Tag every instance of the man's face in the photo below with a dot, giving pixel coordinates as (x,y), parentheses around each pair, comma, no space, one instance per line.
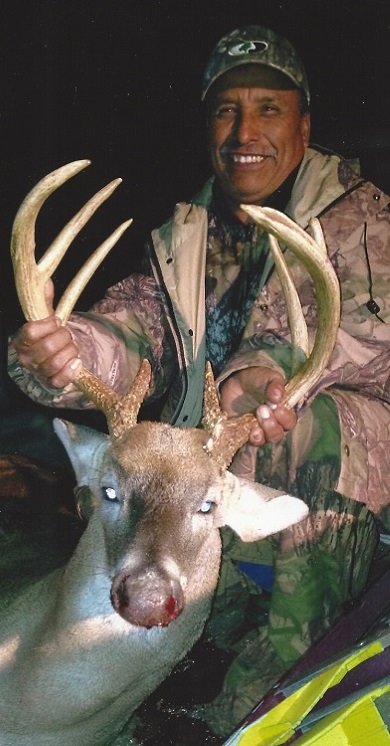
(257,136)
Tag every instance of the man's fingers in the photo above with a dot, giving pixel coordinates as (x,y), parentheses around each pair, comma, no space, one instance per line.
(275,391)
(66,375)
(60,369)
(47,349)
(244,391)
(273,423)
(34,346)
(54,359)
(257,436)
(34,331)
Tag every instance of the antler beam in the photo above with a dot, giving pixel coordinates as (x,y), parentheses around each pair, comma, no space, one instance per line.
(228,435)
(31,278)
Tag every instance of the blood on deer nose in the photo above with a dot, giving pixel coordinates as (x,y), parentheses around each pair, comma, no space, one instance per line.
(148,599)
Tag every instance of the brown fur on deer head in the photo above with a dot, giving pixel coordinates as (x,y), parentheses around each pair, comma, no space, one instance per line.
(158,497)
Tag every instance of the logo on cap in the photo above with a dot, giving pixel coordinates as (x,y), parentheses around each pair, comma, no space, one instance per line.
(248,47)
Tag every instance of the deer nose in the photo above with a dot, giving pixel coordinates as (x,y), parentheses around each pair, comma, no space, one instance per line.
(147,599)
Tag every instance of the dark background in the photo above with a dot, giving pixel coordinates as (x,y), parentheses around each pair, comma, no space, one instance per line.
(117,81)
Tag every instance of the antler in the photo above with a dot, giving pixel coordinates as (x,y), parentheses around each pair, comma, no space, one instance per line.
(31,278)
(228,435)
(312,252)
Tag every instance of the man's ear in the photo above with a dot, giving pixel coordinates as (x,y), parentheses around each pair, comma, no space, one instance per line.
(305,128)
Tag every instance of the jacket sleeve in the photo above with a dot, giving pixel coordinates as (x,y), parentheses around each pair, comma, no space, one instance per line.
(113,337)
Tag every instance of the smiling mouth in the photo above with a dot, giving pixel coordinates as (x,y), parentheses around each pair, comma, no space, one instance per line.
(247,158)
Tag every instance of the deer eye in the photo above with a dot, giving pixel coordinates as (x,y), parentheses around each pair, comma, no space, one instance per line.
(110,495)
(206,506)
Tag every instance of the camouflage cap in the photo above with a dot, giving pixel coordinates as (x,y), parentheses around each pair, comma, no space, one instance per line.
(255,44)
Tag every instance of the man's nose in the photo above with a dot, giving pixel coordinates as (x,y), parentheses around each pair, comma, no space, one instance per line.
(247,127)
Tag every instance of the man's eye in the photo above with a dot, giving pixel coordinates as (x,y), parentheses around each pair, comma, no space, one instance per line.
(224,111)
(206,506)
(109,494)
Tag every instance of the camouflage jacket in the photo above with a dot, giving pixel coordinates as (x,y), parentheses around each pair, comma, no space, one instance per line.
(162,316)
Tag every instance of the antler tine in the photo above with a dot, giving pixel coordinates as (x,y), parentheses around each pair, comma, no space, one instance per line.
(297,323)
(77,285)
(227,435)
(314,256)
(120,411)
(31,277)
(212,412)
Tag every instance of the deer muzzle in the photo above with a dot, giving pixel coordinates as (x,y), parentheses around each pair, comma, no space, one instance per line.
(151,598)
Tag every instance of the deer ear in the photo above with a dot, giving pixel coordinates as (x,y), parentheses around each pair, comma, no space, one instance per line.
(255,511)
(83,445)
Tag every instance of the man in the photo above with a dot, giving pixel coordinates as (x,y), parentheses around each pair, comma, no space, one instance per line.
(211,293)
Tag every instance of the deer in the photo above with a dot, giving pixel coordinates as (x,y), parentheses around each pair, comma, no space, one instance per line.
(84,646)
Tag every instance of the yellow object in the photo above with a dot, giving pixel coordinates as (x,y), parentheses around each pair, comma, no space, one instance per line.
(356,724)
